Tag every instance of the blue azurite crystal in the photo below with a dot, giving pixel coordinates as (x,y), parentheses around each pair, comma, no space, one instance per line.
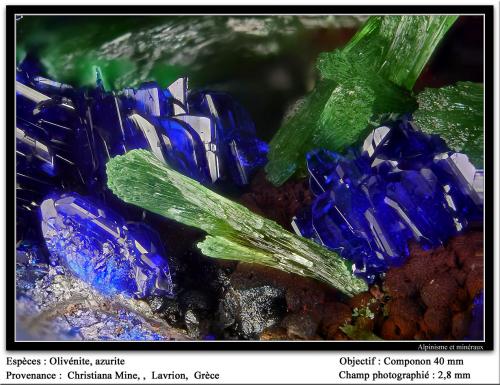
(184,152)
(98,246)
(403,184)
(234,133)
(476,327)
(47,122)
(44,130)
(149,99)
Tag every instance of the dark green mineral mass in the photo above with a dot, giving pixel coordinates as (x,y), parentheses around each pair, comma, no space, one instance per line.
(456,114)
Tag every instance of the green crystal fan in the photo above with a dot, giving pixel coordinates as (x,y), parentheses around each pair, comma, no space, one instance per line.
(234,232)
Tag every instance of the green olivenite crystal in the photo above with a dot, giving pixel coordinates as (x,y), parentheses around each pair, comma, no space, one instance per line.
(456,114)
(234,232)
(398,47)
(349,105)
(305,117)
(372,76)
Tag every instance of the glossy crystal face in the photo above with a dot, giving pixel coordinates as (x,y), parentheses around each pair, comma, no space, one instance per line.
(402,184)
(100,248)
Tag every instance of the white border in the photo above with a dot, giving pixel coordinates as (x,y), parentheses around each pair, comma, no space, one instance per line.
(273,367)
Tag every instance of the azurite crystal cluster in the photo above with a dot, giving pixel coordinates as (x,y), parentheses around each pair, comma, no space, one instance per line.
(403,184)
(100,248)
(65,136)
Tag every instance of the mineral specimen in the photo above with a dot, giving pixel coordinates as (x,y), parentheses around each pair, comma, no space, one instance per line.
(139,178)
(98,246)
(414,310)
(402,185)
(369,77)
(65,136)
(249,310)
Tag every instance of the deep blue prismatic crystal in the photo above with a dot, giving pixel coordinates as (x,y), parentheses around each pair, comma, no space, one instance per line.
(402,184)
(99,247)
(206,136)
(476,327)
(234,134)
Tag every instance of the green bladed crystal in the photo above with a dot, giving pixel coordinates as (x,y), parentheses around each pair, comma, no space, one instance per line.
(235,232)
